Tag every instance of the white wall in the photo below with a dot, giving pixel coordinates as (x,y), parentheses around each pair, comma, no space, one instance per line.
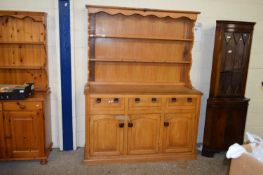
(51,8)
(211,10)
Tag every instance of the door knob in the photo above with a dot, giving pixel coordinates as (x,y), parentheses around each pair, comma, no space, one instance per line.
(121,125)
(130,125)
(166,124)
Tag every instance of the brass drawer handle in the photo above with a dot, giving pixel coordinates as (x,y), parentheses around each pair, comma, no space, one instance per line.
(189,100)
(154,100)
(166,124)
(173,100)
(130,125)
(137,100)
(116,100)
(98,100)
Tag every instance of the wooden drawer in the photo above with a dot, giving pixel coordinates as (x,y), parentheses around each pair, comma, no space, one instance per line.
(107,104)
(1,107)
(144,102)
(178,102)
(22,105)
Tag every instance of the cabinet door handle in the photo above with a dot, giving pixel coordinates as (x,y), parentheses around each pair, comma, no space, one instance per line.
(121,125)
(98,100)
(137,100)
(189,100)
(173,100)
(130,125)
(166,124)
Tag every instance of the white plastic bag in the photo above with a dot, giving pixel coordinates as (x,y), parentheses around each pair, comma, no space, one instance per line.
(256,145)
(235,151)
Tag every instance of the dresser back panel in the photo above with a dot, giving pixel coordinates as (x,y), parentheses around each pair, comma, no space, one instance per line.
(153,27)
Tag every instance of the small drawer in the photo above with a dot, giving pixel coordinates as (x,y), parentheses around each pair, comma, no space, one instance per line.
(181,102)
(107,103)
(21,105)
(144,102)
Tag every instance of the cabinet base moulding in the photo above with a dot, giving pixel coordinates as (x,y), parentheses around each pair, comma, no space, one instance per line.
(140,158)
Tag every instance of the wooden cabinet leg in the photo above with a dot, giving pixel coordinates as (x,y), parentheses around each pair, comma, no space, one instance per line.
(43,161)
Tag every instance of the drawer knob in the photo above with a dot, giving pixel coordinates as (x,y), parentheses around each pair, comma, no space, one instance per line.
(189,100)
(166,124)
(121,125)
(98,100)
(116,100)
(137,100)
(154,100)
(130,124)
(21,106)
(173,100)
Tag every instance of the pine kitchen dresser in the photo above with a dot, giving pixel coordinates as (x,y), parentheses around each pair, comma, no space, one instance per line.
(140,103)
(25,125)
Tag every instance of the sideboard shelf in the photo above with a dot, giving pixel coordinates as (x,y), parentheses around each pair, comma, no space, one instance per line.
(139,61)
(23,42)
(23,67)
(139,37)
(101,88)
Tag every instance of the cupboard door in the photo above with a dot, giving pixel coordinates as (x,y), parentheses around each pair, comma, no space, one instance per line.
(143,133)
(24,134)
(2,144)
(106,134)
(234,64)
(178,130)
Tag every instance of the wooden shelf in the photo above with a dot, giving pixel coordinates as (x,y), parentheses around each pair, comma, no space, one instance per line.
(139,61)
(129,88)
(136,37)
(23,42)
(23,67)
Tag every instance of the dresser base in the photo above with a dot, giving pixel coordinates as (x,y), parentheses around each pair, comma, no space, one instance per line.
(139,158)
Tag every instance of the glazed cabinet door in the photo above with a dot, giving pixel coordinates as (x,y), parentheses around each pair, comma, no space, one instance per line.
(106,135)
(143,133)
(24,134)
(234,61)
(178,132)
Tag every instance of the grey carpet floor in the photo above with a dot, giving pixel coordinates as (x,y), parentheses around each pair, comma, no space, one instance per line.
(71,163)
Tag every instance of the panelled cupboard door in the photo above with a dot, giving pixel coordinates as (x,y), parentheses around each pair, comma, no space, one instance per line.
(143,133)
(24,134)
(2,144)
(106,134)
(178,130)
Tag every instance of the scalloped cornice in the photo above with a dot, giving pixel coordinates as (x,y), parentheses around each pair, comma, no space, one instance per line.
(35,16)
(191,15)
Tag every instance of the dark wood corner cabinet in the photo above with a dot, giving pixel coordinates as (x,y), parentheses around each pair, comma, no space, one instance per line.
(140,104)
(227,107)
(25,132)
